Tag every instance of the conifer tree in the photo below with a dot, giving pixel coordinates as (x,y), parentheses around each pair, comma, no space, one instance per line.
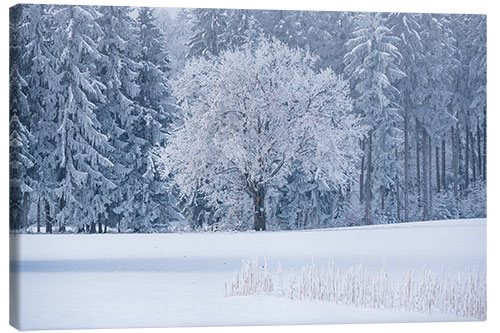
(372,65)
(82,192)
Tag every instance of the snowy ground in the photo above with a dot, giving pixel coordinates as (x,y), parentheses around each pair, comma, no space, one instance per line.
(131,280)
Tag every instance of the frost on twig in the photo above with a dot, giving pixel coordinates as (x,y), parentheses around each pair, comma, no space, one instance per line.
(253,278)
(461,293)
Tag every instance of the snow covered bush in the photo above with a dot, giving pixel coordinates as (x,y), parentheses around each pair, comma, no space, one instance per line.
(354,213)
(250,116)
(473,202)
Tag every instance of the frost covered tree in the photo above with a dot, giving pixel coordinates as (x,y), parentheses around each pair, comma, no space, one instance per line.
(471,94)
(322,33)
(217,30)
(118,71)
(434,95)
(209,25)
(250,115)
(136,114)
(372,66)
(308,204)
(20,138)
(406,27)
(176,32)
(158,114)
(20,157)
(41,62)
(82,191)
(477,84)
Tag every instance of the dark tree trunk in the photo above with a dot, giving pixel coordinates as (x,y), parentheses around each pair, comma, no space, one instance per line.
(455,138)
(430,175)
(259,209)
(48,219)
(484,149)
(438,174)
(417,139)
(443,164)
(425,174)
(368,184)
(25,210)
(472,157)
(99,227)
(406,167)
(92,228)
(362,175)
(467,152)
(382,199)
(479,160)
(398,198)
(38,216)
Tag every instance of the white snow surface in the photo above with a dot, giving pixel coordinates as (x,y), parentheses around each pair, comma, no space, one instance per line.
(169,280)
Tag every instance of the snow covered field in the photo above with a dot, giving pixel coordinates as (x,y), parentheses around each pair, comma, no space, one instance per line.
(155,280)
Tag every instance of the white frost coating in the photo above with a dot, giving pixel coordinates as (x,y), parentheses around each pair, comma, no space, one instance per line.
(252,116)
(462,293)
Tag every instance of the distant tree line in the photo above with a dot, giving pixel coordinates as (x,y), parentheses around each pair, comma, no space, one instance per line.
(92,111)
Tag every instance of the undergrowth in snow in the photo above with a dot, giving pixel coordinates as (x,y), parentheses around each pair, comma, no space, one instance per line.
(461,293)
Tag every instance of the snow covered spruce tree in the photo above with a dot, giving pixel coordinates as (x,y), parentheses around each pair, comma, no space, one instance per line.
(158,113)
(406,27)
(372,65)
(118,112)
(250,115)
(217,30)
(43,94)
(21,140)
(434,94)
(135,115)
(82,192)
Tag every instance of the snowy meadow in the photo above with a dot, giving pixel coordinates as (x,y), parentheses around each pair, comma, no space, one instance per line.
(325,167)
(164,280)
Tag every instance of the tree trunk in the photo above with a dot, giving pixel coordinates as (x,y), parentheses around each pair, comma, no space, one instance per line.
(92,228)
(99,226)
(484,149)
(467,152)
(25,210)
(368,184)
(425,174)
(472,157)
(382,199)
(398,199)
(443,164)
(362,175)
(48,219)
(455,138)
(259,209)
(417,140)
(38,215)
(479,161)
(430,175)
(406,166)
(438,174)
